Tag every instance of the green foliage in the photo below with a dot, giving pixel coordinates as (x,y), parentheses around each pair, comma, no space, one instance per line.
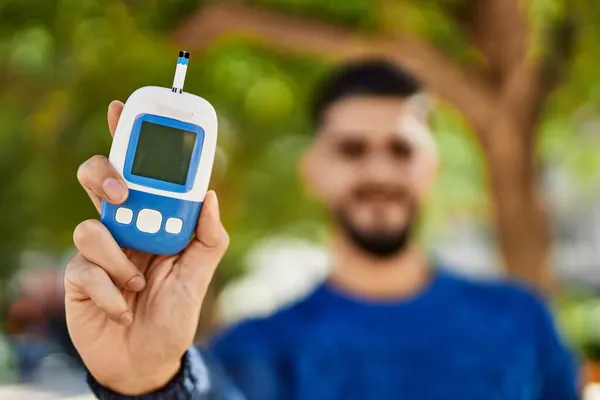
(460,190)
(430,20)
(578,316)
(7,361)
(63,61)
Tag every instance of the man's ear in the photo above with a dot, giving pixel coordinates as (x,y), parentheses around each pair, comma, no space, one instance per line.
(420,106)
(307,168)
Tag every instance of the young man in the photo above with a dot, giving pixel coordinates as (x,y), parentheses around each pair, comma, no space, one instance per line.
(387,323)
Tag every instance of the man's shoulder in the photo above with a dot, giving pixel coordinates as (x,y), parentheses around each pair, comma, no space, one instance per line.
(494,286)
(502,295)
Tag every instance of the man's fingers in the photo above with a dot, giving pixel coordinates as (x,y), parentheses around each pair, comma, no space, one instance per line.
(101,181)
(210,232)
(98,178)
(96,244)
(85,280)
(201,257)
(115,108)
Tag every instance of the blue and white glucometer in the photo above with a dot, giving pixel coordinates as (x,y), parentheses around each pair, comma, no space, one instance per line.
(164,148)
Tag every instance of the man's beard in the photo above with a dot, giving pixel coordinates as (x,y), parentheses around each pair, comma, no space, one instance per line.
(377,244)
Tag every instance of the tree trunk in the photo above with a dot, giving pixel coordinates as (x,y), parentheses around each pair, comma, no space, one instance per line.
(520,217)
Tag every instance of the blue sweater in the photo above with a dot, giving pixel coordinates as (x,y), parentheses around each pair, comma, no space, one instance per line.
(458,339)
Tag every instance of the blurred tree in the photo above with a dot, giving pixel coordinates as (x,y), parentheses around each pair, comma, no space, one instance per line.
(500,61)
(63,61)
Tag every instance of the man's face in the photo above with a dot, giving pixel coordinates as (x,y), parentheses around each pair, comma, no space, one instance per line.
(372,163)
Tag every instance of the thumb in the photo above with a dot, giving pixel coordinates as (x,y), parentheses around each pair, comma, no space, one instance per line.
(200,259)
(115,108)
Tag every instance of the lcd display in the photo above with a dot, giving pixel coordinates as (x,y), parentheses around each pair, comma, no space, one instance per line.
(163,153)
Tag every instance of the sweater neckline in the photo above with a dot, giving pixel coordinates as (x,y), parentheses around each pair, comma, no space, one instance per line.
(435,292)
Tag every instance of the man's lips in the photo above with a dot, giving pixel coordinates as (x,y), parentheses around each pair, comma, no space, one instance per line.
(379,198)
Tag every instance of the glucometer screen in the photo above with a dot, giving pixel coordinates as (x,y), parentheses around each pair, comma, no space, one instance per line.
(163,153)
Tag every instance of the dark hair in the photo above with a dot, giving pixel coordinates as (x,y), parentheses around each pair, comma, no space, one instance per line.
(374,77)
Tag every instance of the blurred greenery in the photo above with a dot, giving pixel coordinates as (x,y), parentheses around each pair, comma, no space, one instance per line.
(63,61)
(579,319)
(7,361)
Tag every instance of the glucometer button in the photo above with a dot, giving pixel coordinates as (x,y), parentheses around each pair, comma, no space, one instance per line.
(124,215)
(174,225)
(148,221)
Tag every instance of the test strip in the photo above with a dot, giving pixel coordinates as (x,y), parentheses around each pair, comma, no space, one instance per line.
(180,71)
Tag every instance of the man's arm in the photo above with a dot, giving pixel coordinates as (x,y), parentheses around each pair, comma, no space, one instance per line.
(559,374)
(199,378)
(558,366)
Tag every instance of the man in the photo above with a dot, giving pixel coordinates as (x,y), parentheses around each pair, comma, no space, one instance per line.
(387,323)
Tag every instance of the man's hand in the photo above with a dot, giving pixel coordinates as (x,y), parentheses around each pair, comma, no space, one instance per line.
(132,315)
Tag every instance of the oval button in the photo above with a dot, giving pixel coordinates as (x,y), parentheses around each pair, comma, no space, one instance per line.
(148,221)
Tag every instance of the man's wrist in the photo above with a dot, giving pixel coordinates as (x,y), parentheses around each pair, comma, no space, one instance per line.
(139,384)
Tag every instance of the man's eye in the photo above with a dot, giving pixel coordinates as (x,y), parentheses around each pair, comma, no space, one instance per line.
(400,149)
(352,149)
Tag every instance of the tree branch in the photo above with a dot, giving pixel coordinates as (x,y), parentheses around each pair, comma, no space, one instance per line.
(531,85)
(559,47)
(305,36)
(498,29)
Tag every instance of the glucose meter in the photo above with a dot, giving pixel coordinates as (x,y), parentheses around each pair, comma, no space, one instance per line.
(164,148)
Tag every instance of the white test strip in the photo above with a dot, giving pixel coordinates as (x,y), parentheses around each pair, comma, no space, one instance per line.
(180,71)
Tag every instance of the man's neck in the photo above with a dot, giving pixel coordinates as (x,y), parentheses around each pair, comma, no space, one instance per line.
(399,276)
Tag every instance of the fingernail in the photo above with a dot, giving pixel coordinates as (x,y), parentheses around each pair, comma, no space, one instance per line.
(136,284)
(126,318)
(114,190)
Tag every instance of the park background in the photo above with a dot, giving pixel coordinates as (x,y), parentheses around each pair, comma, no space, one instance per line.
(515,89)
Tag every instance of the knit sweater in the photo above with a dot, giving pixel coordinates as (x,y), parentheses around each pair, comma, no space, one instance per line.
(457,339)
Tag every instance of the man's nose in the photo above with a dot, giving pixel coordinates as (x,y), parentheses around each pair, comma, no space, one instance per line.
(379,168)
